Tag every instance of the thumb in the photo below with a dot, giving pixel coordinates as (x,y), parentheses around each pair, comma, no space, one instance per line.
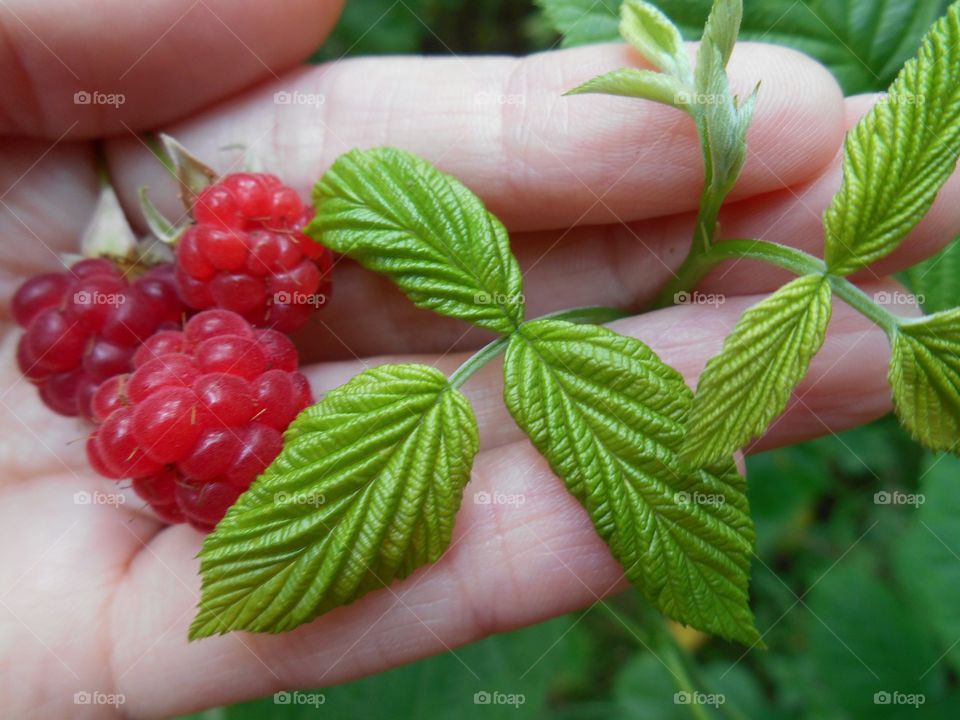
(88,70)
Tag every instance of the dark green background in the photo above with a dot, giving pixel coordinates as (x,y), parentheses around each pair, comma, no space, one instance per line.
(854,597)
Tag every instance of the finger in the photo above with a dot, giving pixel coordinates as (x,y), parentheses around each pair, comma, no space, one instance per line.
(141,64)
(508,565)
(539,160)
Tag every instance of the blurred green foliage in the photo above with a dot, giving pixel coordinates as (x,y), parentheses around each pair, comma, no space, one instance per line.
(858,540)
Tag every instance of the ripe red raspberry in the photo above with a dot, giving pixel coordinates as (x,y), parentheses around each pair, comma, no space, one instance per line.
(83,326)
(247,253)
(200,417)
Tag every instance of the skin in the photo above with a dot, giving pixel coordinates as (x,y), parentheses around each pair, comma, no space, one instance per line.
(598,194)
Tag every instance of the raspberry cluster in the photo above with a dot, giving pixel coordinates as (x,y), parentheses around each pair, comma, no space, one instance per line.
(247,253)
(83,326)
(200,417)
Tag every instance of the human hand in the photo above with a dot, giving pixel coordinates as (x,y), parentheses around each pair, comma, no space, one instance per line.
(598,195)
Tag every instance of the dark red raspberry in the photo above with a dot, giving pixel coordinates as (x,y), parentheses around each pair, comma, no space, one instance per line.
(200,417)
(247,253)
(84,325)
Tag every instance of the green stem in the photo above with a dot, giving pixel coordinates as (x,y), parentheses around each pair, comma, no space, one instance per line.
(697,265)
(478,360)
(594,314)
(666,650)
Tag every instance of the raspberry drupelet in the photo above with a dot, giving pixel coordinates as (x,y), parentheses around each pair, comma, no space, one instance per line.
(200,417)
(247,253)
(84,325)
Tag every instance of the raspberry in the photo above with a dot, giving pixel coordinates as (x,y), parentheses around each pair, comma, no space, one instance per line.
(83,326)
(247,253)
(200,417)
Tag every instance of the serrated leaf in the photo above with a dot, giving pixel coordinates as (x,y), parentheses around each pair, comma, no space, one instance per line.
(364,492)
(609,415)
(899,156)
(630,82)
(396,214)
(936,281)
(862,42)
(748,384)
(925,377)
(655,37)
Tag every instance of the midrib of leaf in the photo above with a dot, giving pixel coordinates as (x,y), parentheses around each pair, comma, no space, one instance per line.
(631,506)
(414,215)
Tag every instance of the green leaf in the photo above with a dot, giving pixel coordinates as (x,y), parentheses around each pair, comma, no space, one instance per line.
(363,493)
(925,377)
(749,383)
(899,156)
(583,21)
(936,281)
(655,37)
(609,416)
(398,215)
(630,82)
(864,43)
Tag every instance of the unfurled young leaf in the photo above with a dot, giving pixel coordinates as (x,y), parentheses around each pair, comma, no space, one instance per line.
(925,377)
(899,156)
(655,37)
(749,383)
(630,82)
(398,215)
(364,492)
(609,417)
